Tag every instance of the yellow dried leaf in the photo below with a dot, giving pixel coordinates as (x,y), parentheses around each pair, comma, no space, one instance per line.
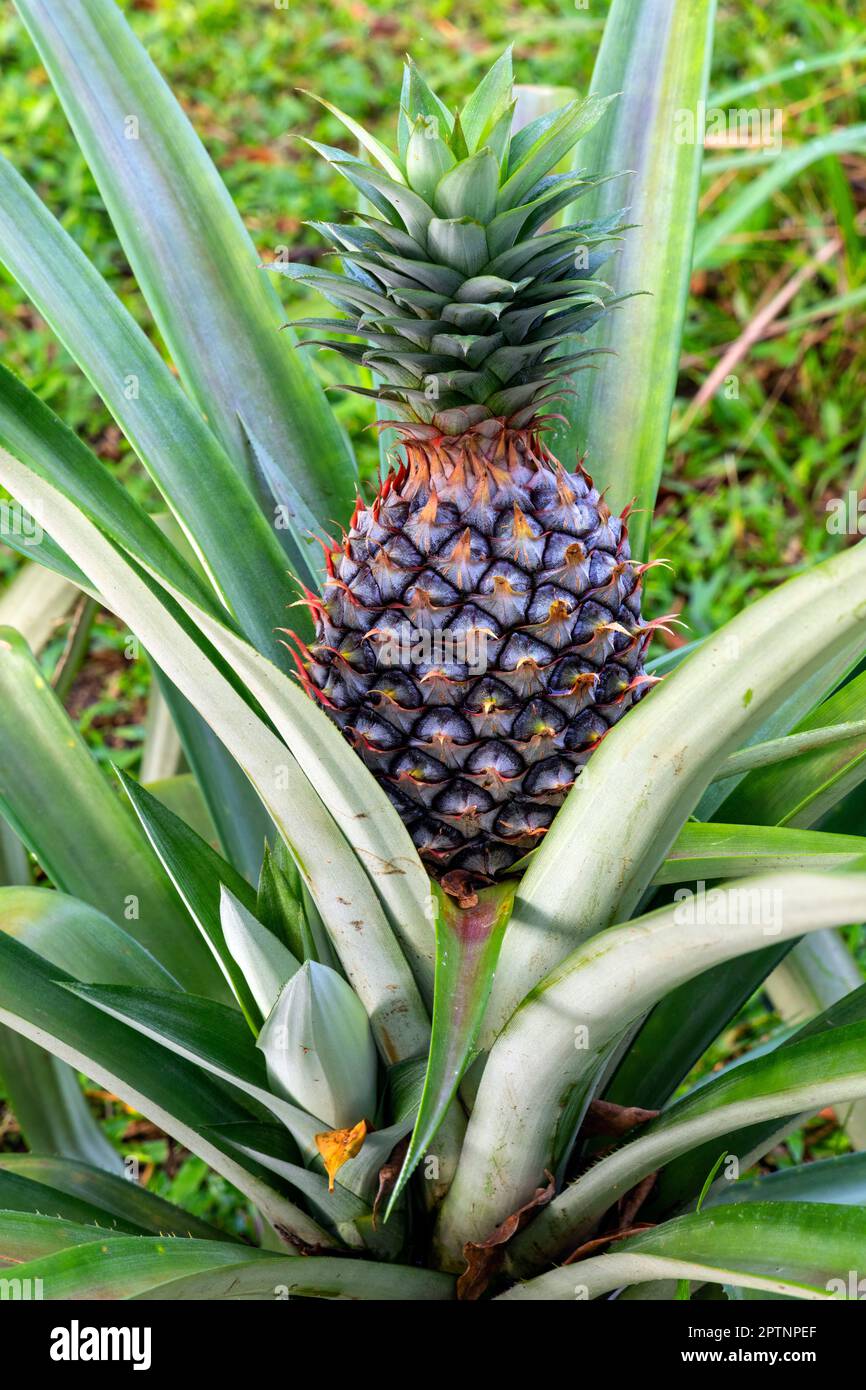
(337,1146)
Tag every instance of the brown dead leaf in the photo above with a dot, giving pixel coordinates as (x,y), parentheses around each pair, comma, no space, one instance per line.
(632,1202)
(605,1118)
(389,1173)
(590,1246)
(337,1146)
(460,884)
(484,1258)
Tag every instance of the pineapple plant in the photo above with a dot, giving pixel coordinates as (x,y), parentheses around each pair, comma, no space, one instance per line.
(479,540)
(405,936)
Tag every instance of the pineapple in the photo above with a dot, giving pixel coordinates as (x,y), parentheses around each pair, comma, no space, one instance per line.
(480,627)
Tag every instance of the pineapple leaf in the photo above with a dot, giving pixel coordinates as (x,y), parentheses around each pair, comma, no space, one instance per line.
(199,876)
(459,242)
(234,541)
(811,1245)
(73,936)
(683,1177)
(799,792)
(469,189)
(139,1265)
(272,1147)
(19,1193)
(428,158)
(355,799)
(293,521)
(331,871)
(46,1182)
(176,1094)
(528,136)
(319,1050)
(497,136)
(457,140)
(838,1181)
(241,821)
(417,99)
(801,1078)
(705,851)
(369,142)
(47,554)
(660,68)
(280,910)
(441,279)
(100,854)
(215,309)
(145,1268)
(264,962)
(215,1038)
(468,941)
(523,1122)
(559,136)
(412,211)
(393,237)
(507,227)
(337,289)
(653,1070)
(489,102)
(791,746)
(482,289)
(180,791)
(31,430)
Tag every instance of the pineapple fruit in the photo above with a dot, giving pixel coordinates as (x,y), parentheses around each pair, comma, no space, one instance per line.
(480,626)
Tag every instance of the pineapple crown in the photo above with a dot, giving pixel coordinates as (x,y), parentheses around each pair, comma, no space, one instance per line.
(468,302)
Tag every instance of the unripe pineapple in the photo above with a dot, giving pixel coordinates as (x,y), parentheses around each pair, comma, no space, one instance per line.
(480,628)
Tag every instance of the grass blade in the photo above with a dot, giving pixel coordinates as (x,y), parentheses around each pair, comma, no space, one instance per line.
(782,167)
